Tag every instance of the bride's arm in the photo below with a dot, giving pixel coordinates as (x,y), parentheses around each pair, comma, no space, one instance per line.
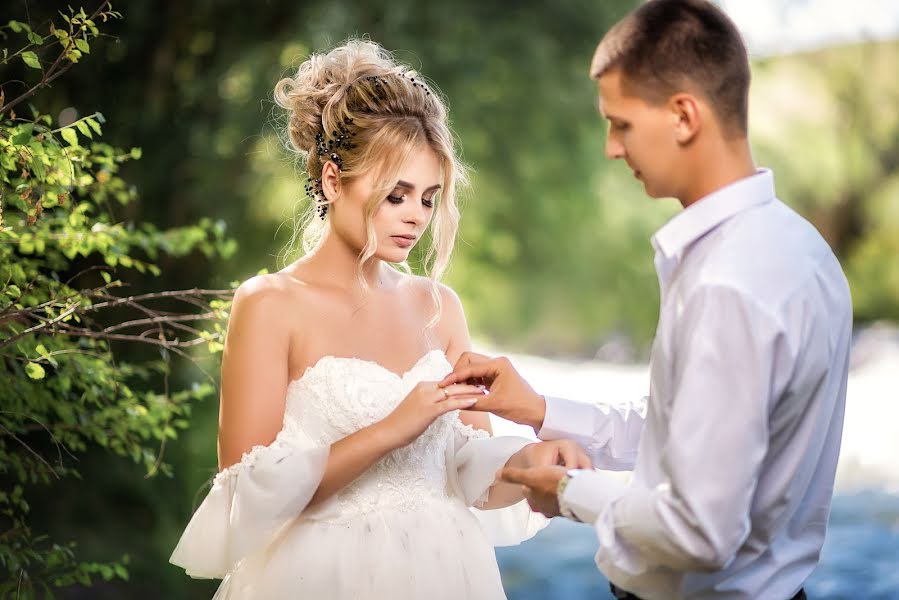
(453,319)
(455,329)
(254,370)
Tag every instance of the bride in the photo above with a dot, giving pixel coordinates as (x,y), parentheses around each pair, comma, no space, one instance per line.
(345,471)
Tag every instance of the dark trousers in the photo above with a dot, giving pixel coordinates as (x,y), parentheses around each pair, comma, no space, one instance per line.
(622,595)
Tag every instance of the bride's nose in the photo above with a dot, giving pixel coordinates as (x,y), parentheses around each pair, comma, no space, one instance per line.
(416,214)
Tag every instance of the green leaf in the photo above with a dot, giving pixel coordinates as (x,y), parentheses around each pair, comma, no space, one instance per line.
(31,59)
(84,129)
(35,38)
(35,371)
(69,135)
(136,153)
(26,246)
(16,26)
(24,136)
(83,46)
(94,125)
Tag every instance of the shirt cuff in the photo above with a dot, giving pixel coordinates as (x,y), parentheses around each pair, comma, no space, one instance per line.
(589,493)
(566,419)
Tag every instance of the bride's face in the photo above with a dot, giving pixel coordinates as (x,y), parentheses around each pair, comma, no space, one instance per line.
(399,219)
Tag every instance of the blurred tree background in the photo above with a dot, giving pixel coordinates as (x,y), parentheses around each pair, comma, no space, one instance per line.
(553,256)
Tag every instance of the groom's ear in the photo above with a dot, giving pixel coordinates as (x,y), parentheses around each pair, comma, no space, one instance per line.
(686,116)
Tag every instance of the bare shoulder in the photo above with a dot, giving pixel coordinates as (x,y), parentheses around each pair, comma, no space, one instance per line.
(271,298)
(451,327)
(425,288)
(269,289)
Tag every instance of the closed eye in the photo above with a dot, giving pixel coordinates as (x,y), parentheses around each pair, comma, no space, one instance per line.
(428,202)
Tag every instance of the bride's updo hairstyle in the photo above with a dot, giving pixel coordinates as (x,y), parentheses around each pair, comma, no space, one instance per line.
(358,107)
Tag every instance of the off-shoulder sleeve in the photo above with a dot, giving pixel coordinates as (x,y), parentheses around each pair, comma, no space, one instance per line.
(475,459)
(249,502)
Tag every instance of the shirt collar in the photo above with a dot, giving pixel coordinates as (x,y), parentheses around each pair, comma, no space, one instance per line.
(710,211)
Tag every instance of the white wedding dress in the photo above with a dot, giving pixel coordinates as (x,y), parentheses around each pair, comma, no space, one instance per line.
(403,530)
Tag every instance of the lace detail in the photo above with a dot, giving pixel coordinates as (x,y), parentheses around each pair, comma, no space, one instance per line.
(468,430)
(338,396)
(249,458)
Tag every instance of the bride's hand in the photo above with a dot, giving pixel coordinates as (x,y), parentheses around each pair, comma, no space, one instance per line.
(424,404)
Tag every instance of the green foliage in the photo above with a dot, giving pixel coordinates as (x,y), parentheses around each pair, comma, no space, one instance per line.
(64,255)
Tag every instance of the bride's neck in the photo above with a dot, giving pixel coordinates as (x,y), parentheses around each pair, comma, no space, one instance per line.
(338,264)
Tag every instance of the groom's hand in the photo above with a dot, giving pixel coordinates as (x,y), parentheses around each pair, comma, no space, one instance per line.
(564,453)
(540,485)
(510,395)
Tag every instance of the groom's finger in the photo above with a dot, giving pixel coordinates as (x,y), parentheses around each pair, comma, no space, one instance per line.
(519,476)
(485,370)
(583,461)
(470,358)
(568,455)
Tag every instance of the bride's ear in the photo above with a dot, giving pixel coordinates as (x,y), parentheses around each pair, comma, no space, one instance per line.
(331,181)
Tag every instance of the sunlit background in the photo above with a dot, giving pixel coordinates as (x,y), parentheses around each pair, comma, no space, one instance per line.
(553,264)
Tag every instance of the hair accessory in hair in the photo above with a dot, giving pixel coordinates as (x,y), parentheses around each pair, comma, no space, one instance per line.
(315,193)
(418,84)
(379,86)
(340,140)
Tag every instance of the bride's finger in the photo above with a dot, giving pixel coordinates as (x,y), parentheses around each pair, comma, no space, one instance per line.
(455,403)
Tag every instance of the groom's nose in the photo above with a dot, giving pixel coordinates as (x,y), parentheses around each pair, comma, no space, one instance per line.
(614,148)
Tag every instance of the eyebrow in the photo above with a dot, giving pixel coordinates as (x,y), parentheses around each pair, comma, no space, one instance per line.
(410,186)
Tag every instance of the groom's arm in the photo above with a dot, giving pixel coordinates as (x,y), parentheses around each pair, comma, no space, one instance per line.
(608,434)
(711,456)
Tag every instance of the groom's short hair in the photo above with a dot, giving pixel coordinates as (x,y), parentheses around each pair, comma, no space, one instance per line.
(669,46)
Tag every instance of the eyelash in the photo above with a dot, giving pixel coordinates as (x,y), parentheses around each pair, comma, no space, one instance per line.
(399,200)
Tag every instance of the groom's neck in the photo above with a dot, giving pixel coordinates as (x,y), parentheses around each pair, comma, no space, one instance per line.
(715,164)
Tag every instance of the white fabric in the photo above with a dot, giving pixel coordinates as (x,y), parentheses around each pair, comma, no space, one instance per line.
(403,529)
(733,479)
(608,433)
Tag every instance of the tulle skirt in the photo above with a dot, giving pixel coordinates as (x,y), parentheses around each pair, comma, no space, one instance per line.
(438,552)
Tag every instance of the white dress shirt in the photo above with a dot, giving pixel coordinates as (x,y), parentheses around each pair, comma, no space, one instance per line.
(734,468)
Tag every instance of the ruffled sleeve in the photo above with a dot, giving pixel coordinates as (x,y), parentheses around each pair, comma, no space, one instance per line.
(476,457)
(249,503)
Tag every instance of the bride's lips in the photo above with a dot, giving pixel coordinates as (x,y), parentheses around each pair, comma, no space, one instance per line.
(404,241)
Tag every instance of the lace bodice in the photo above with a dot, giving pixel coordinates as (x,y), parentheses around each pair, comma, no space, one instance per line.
(338,396)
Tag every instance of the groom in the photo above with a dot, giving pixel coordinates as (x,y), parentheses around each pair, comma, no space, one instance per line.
(734,454)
